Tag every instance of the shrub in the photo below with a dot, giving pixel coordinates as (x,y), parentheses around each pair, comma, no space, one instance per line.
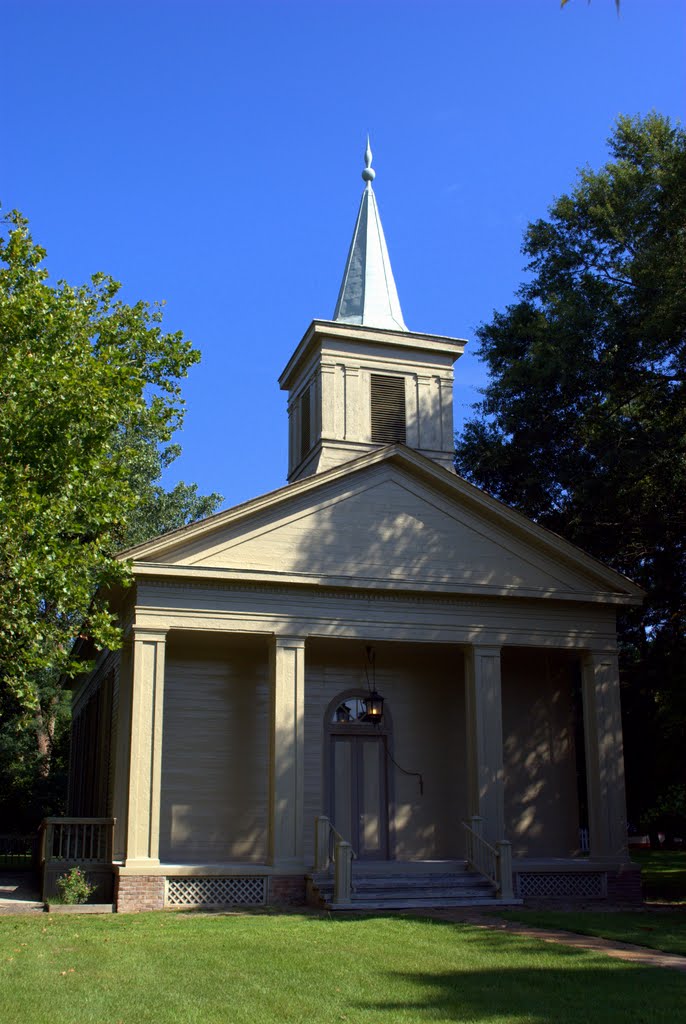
(74,887)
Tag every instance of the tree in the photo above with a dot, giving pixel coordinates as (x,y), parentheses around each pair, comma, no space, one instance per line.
(89,399)
(582,424)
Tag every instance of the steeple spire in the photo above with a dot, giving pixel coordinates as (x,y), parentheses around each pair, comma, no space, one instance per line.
(368,295)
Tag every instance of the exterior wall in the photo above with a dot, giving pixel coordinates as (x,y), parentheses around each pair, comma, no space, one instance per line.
(424,691)
(541,801)
(215,755)
(92,748)
(381,525)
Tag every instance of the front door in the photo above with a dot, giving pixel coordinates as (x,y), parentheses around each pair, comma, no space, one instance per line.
(359,797)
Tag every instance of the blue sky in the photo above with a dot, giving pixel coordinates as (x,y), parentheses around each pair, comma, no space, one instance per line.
(209,154)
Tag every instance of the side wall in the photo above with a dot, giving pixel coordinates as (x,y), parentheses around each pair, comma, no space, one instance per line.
(541,801)
(93,730)
(215,755)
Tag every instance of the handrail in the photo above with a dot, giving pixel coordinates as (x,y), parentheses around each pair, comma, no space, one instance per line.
(495,862)
(330,848)
(82,840)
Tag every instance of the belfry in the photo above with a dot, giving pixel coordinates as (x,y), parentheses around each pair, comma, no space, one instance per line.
(363,380)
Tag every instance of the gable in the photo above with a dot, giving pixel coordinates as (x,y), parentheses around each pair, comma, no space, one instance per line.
(386,526)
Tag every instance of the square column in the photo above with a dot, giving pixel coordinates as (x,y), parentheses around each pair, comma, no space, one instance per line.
(604,755)
(484,723)
(144,763)
(287,735)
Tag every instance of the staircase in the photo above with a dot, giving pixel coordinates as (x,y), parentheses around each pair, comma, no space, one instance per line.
(393,885)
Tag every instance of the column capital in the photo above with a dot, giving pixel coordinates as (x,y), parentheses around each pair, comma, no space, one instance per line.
(151,633)
(487,650)
(598,654)
(289,642)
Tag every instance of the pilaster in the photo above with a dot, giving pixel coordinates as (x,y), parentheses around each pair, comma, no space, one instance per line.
(287,671)
(145,748)
(485,739)
(604,755)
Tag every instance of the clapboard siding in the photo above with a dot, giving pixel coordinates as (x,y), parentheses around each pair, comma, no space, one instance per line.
(424,690)
(541,805)
(215,756)
(383,524)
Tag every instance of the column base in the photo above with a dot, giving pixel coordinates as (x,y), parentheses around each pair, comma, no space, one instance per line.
(136,893)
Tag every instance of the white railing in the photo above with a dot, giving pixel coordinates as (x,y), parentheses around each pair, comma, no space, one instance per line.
(495,862)
(331,849)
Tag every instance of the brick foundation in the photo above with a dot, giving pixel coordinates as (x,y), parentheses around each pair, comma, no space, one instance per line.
(287,890)
(134,893)
(624,885)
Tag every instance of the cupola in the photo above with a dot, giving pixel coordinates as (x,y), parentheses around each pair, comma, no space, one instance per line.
(363,380)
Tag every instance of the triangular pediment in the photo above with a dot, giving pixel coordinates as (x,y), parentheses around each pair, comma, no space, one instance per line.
(388,521)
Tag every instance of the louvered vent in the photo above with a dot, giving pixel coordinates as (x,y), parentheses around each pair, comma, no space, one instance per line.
(305,423)
(388,409)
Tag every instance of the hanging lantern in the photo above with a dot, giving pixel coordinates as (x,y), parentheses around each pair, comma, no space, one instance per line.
(373,707)
(342,713)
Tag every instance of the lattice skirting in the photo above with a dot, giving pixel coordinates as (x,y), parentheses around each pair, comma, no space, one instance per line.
(579,885)
(212,891)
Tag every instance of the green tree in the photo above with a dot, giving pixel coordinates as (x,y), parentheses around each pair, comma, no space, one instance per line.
(582,424)
(89,399)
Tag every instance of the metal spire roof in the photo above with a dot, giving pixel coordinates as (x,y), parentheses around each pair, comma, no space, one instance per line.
(368,294)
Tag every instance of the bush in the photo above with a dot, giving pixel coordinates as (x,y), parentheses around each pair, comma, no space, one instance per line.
(74,887)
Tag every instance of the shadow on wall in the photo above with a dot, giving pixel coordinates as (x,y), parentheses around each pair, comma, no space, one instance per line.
(541,804)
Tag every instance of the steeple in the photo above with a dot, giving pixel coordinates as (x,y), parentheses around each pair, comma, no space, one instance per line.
(363,380)
(368,295)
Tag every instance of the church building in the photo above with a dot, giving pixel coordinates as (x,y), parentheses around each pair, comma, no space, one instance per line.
(374,680)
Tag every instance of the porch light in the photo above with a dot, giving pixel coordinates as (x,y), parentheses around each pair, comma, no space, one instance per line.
(373,707)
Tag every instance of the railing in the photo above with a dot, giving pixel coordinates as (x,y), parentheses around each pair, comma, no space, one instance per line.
(330,848)
(79,840)
(495,862)
(18,852)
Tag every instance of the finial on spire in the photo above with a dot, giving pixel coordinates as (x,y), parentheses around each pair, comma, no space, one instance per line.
(368,174)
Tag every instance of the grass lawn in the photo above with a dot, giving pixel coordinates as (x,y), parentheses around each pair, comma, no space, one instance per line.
(193,969)
(664,881)
(662,929)
(663,873)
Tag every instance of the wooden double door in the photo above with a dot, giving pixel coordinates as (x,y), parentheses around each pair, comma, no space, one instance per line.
(359,792)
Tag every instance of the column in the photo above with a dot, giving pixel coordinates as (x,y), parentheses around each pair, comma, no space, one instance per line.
(146,682)
(604,755)
(485,739)
(287,671)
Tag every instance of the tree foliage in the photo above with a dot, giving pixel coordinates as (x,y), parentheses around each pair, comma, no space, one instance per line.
(89,399)
(582,425)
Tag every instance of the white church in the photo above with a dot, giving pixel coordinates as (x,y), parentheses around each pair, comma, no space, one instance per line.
(374,687)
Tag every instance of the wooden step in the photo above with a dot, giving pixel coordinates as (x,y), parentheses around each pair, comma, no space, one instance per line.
(399,890)
(423,904)
(415,892)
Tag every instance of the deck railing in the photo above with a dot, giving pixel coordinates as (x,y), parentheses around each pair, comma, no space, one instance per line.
(495,862)
(331,849)
(77,840)
(18,852)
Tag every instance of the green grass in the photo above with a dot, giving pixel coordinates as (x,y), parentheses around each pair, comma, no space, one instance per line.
(663,873)
(265,969)
(664,930)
